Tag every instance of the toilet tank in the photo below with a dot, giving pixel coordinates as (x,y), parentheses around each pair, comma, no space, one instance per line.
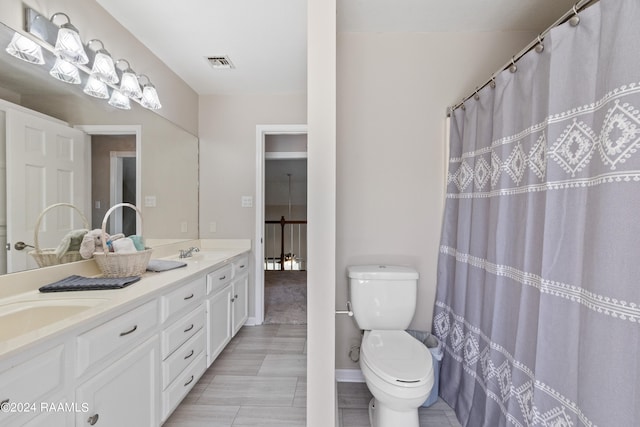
(382,297)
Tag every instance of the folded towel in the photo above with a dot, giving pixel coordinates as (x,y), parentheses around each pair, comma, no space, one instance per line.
(70,242)
(79,283)
(124,246)
(138,241)
(158,265)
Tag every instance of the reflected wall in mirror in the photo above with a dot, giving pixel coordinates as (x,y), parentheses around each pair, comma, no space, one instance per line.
(166,160)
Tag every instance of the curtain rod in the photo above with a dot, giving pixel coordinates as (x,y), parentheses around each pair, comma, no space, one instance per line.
(578,7)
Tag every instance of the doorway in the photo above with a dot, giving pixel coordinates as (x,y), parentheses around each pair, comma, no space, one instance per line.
(116,177)
(280,144)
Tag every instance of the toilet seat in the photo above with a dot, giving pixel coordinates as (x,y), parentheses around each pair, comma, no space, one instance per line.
(397,358)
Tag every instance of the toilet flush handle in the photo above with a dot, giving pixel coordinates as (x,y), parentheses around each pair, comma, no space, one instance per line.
(348,312)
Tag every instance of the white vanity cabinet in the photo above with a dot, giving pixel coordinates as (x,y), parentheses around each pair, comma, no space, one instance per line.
(119,360)
(240,288)
(227,304)
(183,341)
(24,384)
(125,393)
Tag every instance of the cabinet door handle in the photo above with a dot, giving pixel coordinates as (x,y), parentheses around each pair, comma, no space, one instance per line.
(242,266)
(189,328)
(189,382)
(129,332)
(236,296)
(188,356)
(93,419)
(223,277)
(233,299)
(189,297)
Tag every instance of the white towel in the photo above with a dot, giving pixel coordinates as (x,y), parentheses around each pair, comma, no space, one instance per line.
(124,246)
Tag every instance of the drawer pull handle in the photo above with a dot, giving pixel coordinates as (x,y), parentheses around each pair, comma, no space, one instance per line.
(189,328)
(233,299)
(223,277)
(93,419)
(189,297)
(242,266)
(236,296)
(188,356)
(189,382)
(122,334)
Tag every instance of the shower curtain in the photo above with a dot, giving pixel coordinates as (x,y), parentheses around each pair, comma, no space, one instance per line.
(538,297)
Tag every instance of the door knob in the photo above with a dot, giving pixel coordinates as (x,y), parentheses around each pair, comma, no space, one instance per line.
(19,246)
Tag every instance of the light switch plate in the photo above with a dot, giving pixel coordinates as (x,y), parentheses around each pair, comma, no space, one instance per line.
(247,201)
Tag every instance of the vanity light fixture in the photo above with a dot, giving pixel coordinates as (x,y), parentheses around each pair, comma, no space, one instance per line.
(96,88)
(150,98)
(26,49)
(65,71)
(103,67)
(119,100)
(95,62)
(129,84)
(68,44)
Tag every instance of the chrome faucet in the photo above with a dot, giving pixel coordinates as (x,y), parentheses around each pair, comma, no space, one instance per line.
(186,253)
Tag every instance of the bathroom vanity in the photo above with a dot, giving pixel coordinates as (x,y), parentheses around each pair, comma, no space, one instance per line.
(123,357)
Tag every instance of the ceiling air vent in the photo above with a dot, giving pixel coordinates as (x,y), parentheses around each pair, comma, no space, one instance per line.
(220,62)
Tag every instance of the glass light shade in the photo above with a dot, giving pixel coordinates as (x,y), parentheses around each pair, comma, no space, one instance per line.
(96,88)
(150,98)
(104,69)
(23,48)
(65,71)
(69,46)
(129,85)
(119,100)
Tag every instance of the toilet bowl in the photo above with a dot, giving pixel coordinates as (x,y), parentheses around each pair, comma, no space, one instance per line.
(397,367)
(399,373)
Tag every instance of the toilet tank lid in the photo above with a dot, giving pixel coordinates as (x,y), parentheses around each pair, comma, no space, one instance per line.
(381,272)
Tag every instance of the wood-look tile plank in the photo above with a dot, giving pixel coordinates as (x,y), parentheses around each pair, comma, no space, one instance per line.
(236,363)
(267,416)
(300,398)
(353,395)
(271,345)
(187,415)
(355,417)
(249,390)
(284,365)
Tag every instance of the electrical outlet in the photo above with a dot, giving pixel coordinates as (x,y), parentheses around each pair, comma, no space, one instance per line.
(183,226)
(247,201)
(212,227)
(150,201)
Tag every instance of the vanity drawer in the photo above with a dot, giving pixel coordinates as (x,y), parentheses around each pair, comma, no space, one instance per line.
(183,329)
(182,358)
(174,394)
(31,382)
(187,294)
(217,279)
(240,266)
(123,332)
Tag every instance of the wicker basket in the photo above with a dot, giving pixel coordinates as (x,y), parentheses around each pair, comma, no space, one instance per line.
(114,264)
(47,257)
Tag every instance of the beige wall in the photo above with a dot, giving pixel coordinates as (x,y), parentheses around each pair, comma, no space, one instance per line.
(228,160)
(393,90)
(179,101)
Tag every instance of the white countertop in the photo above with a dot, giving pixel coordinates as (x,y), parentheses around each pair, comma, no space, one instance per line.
(108,303)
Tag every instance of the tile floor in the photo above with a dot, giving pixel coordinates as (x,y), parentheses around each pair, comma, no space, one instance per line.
(260,380)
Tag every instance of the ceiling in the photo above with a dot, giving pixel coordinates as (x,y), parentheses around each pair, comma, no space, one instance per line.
(266,39)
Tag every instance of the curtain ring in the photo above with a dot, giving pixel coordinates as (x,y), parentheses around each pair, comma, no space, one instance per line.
(513,67)
(492,83)
(575,19)
(476,96)
(540,45)
(462,105)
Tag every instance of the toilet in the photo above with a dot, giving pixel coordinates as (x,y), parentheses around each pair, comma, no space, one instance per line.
(397,367)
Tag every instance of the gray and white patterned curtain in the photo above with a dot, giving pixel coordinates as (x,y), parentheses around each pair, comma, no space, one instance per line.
(538,298)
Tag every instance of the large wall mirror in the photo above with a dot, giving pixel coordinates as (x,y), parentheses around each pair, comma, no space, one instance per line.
(118,145)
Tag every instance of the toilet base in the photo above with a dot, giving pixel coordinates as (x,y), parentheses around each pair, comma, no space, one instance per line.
(381,416)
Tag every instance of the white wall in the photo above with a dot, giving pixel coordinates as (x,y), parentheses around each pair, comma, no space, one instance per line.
(393,90)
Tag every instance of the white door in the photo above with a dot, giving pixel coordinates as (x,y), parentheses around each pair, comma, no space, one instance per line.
(45,165)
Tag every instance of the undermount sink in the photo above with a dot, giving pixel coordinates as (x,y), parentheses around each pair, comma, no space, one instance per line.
(22,317)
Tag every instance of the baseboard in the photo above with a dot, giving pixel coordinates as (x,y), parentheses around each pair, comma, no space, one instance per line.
(251,321)
(349,376)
